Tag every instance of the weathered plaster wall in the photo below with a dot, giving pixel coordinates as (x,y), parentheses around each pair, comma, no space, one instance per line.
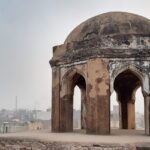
(67,74)
(99,85)
(98,97)
(116,46)
(99,50)
(140,67)
(55,99)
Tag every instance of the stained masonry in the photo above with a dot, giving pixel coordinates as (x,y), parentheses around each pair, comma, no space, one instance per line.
(105,53)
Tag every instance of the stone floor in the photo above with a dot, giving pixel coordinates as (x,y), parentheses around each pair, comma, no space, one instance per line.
(117,136)
(78,140)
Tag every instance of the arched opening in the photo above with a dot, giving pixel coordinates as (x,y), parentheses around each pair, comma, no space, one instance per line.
(114,111)
(72,83)
(139,110)
(78,85)
(126,85)
(77,108)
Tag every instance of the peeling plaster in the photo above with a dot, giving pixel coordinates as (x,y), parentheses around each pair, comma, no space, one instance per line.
(140,68)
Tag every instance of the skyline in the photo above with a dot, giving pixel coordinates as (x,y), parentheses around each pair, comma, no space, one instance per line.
(28,31)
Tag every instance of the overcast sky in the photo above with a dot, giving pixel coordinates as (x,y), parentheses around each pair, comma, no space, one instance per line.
(28,31)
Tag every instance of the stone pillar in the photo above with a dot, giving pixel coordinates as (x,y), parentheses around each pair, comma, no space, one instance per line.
(83,109)
(147,114)
(66,114)
(127,115)
(131,114)
(124,115)
(98,98)
(66,105)
(126,110)
(120,116)
(98,115)
(55,99)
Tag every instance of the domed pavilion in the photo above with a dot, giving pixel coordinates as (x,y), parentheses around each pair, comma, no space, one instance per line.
(108,52)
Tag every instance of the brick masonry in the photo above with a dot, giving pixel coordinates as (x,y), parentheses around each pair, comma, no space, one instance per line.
(32,144)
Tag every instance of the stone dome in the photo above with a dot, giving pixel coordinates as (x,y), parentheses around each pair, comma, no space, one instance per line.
(110,24)
(109,35)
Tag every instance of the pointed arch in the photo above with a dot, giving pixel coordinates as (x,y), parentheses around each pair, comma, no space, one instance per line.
(70,79)
(67,80)
(136,70)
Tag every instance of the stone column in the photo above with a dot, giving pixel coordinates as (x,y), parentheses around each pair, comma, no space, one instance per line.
(123,110)
(120,115)
(98,115)
(147,114)
(66,114)
(66,106)
(55,99)
(124,114)
(126,110)
(98,98)
(83,109)
(127,115)
(131,114)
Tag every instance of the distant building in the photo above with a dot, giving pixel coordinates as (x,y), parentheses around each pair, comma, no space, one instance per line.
(43,115)
(24,120)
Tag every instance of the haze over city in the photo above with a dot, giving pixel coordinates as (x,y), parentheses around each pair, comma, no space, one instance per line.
(28,31)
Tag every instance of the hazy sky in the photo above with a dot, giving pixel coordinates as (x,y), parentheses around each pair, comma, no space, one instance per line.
(28,31)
